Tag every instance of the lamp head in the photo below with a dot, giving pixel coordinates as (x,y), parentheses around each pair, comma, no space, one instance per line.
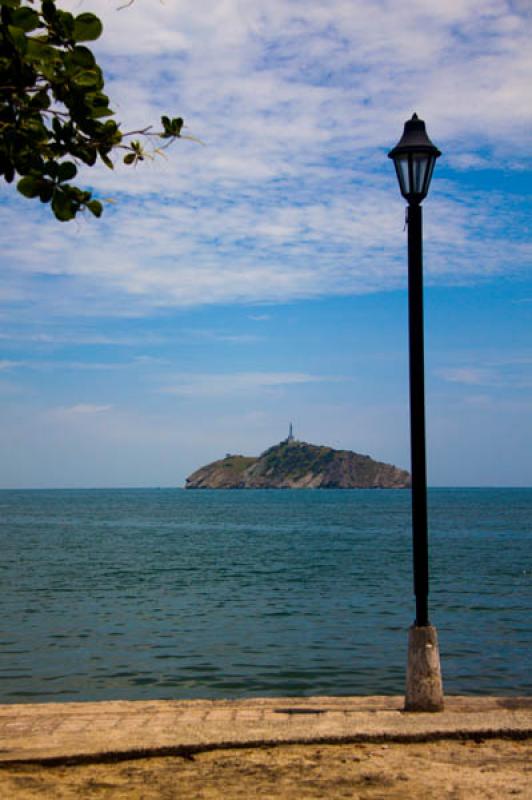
(414,157)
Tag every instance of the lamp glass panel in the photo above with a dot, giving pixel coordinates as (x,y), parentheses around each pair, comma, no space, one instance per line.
(401,166)
(420,168)
(430,170)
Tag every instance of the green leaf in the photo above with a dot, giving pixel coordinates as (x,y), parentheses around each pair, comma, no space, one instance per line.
(103,111)
(111,132)
(64,24)
(18,38)
(46,191)
(85,154)
(49,10)
(97,103)
(106,160)
(51,169)
(26,18)
(130,158)
(95,207)
(57,127)
(34,128)
(82,57)
(62,206)
(29,186)
(43,57)
(89,79)
(87,27)
(82,197)
(40,101)
(8,171)
(67,170)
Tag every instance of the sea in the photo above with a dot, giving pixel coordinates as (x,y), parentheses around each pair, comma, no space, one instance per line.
(167,593)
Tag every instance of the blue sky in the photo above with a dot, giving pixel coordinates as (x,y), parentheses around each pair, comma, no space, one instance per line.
(260,279)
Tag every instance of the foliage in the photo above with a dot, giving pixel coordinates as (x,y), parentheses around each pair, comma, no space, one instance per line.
(238,464)
(54,114)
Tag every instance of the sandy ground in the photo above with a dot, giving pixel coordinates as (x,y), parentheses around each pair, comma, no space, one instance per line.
(450,770)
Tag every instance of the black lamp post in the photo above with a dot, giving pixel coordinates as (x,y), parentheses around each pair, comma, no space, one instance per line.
(414,158)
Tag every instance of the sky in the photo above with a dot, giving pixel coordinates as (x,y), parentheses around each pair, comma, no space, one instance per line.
(259,277)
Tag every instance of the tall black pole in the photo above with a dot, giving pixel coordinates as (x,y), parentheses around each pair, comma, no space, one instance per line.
(414,158)
(417,414)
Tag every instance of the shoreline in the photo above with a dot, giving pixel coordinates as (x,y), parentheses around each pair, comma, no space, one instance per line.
(90,732)
(362,748)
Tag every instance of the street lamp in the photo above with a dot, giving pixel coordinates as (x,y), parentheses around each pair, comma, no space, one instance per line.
(414,158)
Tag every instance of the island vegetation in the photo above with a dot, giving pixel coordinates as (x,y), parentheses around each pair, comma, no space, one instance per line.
(294,464)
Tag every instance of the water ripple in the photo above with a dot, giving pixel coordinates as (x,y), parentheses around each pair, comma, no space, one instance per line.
(173,594)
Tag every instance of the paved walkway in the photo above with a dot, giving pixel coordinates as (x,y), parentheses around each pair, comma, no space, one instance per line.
(59,732)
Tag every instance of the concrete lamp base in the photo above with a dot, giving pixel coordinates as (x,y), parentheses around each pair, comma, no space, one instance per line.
(424,689)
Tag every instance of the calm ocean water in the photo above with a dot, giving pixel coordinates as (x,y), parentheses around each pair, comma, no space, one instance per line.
(172,594)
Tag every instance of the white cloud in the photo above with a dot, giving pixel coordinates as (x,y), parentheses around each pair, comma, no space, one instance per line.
(149,256)
(5,364)
(293,197)
(506,373)
(208,335)
(470,376)
(239,383)
(78,338)
(85,408)
(52,366)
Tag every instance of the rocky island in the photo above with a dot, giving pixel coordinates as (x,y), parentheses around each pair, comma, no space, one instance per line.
(298,465)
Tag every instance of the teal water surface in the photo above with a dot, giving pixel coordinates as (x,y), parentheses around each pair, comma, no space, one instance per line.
(181,594)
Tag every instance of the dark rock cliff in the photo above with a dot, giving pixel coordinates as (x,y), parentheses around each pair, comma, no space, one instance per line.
(298,465)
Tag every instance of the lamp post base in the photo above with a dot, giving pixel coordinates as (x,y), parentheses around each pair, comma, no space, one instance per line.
(424,688)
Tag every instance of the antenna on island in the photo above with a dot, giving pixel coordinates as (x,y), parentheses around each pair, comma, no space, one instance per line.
(290,434)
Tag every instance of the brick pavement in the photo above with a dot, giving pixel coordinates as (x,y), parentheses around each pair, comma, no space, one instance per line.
(59,732)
